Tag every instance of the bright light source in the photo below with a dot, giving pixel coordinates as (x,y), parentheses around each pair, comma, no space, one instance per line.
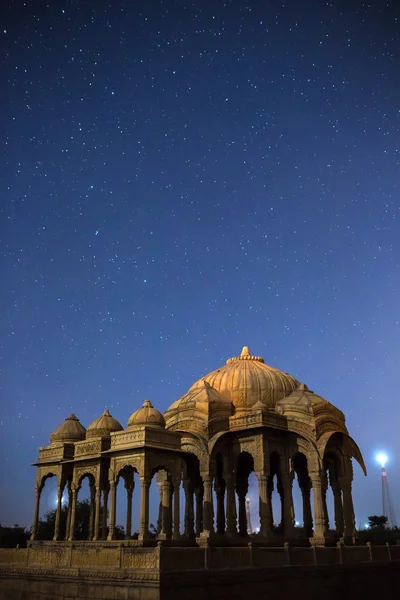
(366,525)
(382,459)
(297,523)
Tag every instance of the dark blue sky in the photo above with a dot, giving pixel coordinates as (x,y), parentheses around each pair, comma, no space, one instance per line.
(181,179)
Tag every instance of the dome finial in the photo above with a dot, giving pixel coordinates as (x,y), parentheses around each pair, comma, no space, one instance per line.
(245,351)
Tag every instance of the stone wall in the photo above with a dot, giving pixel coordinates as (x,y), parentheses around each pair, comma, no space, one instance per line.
(66,571)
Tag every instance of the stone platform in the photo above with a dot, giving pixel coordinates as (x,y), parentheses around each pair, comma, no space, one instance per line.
(66,571)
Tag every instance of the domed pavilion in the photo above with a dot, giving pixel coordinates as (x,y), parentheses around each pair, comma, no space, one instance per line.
(245,417)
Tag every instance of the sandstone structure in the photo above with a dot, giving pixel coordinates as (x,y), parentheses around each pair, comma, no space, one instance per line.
(245,417)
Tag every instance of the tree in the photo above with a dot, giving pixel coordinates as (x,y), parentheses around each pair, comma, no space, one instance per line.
(82,519)
(377,522)
(10,537)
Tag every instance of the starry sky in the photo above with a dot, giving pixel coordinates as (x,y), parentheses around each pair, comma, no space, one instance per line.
(180,179)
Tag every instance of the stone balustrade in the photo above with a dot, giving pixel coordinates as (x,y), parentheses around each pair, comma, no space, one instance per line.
(169,558)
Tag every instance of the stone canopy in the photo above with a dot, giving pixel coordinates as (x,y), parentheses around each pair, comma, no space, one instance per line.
(241,418)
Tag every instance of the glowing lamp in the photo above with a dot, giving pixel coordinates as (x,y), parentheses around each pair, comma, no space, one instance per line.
(382,459)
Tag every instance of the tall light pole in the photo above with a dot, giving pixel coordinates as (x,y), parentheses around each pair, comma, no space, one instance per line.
(387,504)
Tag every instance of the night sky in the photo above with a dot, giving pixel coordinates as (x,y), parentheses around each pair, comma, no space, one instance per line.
(180,179)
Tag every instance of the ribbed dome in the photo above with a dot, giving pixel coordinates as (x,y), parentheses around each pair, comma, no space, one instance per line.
(201,408)
(69,431)
(103,426)
(147,415)
(304,400)
(246,380)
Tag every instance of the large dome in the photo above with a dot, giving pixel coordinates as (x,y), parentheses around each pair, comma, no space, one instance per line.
(242,383)
(246,380)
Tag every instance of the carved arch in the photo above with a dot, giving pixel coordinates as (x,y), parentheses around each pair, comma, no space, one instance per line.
(344,443)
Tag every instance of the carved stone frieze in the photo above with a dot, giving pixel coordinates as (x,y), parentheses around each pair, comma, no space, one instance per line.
(48,453)
(139,559)
(136,462)
(10,556)
(88,447)
(124,438)
(81,472)
(95,558)
(53,557)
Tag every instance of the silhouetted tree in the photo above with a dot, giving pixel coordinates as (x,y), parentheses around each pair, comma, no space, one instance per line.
(10,537)
(379,522)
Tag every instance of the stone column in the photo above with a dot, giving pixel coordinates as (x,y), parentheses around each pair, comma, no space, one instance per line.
(177,518)
(338,508)
(189,512)
(324,504)
(264,509)
(305,488)
(36,513)
(270,489)
(199,511)
(208,509)
(319,519)
(73,513)
(166,510)
(60,489)
(113,508)
(92,489)
(96,533)
(287,505)
(105,512)
(220,493)
(231,526)
(128,527)
(241,490)
(348,510)
(69,510)
(144,508)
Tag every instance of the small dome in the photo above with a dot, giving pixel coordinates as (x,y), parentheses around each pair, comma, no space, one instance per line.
(147,415)
(202,408)
(69,431)
(304,400)
(103,426)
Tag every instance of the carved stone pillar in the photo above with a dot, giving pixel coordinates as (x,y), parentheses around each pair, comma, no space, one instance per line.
(305,488)
(73,513)
(199,511)
(241,490)
(129,486)
(287,507)
(96,533)
(231,526)
(60,490)
(113,508)
(166,529)
(338,508)
(220,493)
(208,509)
(264,509)
(104,518)
(270,489)
(92,489)
(324,480)
(348,509)
(189,512)
(177,518)
(36,513)
(69,510)
(319,518)
(144,508)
